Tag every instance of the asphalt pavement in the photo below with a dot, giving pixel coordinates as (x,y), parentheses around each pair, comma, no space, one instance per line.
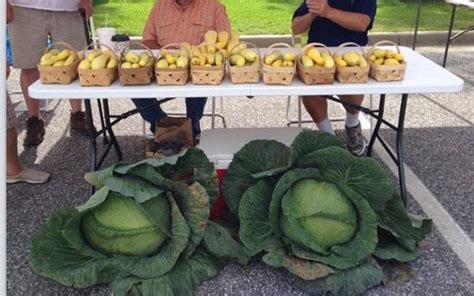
(438,148)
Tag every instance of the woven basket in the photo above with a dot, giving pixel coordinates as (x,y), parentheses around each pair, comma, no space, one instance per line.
(171,76)
(353,74)
(137,76)
(59,74)
(278,75)
(317,74)
(211,75)
(97,77)
(245,74)
(386,72)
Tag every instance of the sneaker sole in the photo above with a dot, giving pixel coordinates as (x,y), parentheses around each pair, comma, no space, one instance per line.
(362,151)
(15,181)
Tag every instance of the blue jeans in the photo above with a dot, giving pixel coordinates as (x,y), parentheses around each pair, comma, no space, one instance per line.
(152,112)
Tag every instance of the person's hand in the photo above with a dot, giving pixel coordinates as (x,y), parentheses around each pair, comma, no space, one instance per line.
(87,6)
(9,13)
(8,70)
(318,7)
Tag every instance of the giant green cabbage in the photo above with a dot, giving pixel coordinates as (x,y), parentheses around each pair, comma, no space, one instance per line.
(320,212)
(145,231)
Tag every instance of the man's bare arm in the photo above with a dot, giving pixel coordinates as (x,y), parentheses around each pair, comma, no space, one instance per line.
(353,21)
(349,20)
(301,24)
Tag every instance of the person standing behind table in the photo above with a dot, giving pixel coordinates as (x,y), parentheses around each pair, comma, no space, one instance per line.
(333,22)
(15,171)
(32,22)
(177,21)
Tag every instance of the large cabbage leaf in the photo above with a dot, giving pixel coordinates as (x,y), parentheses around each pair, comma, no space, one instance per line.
(309,141)
(400,232)
(218,241)
(341,256)
(255,227)
(71,263)
(362,174)
(279,256)
(352,281)
(183,279)
(194,204)
(257,159)
(193,166)
(281,188)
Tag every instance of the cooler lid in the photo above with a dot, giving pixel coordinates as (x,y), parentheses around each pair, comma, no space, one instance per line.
(221,144)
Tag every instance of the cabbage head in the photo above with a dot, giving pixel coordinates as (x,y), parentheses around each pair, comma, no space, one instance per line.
(145,230)
(320,212)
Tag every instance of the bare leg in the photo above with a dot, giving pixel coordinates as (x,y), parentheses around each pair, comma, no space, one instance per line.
(27,77)
(353,99)
(76,105)
(317,107)
(13,163)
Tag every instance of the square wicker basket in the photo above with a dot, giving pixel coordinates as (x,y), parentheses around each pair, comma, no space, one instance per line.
(97,77)
(246,74)
(317,74)
(354,74)
(59,74)
(138,76)
(210,75)
(278,75)
(387,72)
(171,76)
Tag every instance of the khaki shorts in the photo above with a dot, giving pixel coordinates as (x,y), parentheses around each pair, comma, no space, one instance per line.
(30,29)
(11,116)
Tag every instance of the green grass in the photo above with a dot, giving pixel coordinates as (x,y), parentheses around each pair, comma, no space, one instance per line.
(274,16)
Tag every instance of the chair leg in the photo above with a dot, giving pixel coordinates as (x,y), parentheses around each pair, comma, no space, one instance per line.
(213,113)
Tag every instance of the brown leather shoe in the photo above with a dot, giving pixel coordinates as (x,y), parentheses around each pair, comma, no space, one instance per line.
(79,122)
(34,131)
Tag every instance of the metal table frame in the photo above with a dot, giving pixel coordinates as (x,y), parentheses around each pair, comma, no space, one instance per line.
(450,37)
(110,140)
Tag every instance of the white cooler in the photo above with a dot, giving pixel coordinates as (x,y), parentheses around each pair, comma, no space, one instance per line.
(220,145)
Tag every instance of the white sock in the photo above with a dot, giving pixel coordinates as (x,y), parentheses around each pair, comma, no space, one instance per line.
(352,120)
(325,126)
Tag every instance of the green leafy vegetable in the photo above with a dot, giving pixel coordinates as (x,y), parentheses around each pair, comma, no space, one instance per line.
(145,230)
(320,212)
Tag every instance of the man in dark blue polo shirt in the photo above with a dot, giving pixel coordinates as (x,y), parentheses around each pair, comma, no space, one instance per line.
(333,22)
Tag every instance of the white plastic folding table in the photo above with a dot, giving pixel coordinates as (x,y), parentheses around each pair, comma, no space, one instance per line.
(422,76)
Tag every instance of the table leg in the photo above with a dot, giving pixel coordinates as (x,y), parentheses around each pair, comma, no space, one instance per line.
(92,138)
(108,126)
(299,112)
(448,41)
(376,129)
(399,144)
(102,122)
(417,24)
(213,113)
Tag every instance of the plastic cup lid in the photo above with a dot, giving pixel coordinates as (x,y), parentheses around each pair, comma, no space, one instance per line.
(120,38)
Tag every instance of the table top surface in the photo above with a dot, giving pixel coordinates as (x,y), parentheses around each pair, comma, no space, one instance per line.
(422,76)
(466,3)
